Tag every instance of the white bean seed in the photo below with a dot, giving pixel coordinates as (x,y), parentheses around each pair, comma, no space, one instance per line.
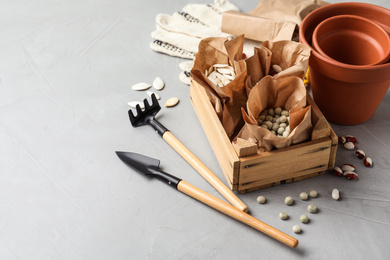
(303,196)
(261,199)
(288,200)
(283,215)
(304,218)
(296,229)
(312,208)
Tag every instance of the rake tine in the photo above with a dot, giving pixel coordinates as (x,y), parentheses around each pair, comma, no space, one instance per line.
(139,110)
(154,101)
(132,117)
(146,104)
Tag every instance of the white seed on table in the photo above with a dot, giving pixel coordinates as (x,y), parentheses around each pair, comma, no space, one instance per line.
(150,93)
(303,196)
(141,86)
(133,104)
(313,193)
(348,167)
(367,162)
(350,145)
(261,199)
(304,218)
(158,83)
(312,208)
(172,102)
(335,194)
(296,229)
(288,200)
(283,215)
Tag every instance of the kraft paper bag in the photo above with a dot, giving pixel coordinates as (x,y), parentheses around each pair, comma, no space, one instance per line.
(227,100)
(292,57)
(272,20)
(285,92)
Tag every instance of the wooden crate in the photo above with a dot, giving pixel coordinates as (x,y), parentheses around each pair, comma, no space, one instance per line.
(297,162)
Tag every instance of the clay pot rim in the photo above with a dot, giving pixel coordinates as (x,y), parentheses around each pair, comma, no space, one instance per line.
(316,46)
(345,67)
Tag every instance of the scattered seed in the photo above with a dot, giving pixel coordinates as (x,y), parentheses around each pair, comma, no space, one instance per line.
(350,175)
(172,102)
(158,83)
(303,196)
(350,138)
(304,218)
(288,200)
(350,145)
(133,104)
(283,215)
(337,171)
(367,162)
(261,199)
(141,86)
(296,229)
(360,154)
(312,208)
(335,194)
(348,167)
(342,140)
(313,194)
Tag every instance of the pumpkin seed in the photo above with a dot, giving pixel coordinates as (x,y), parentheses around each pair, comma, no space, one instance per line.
(172,102)
(141,86)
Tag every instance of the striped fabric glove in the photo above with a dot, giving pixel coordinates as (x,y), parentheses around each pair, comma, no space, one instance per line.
(179,35)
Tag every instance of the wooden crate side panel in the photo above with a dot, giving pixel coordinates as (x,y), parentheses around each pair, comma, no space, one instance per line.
(216,134)
(316,114)
(284,164)
(260,185)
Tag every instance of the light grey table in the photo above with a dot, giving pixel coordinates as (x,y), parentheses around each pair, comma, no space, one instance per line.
(66,70)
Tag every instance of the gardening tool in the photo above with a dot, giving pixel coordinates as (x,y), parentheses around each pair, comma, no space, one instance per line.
(151,167)
(146,117)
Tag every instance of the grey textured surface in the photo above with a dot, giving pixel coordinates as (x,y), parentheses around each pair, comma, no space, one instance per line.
(66,70)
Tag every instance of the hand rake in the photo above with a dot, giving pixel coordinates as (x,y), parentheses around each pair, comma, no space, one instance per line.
(147,117)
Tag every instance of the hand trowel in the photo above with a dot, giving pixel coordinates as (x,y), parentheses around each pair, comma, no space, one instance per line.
(151,167)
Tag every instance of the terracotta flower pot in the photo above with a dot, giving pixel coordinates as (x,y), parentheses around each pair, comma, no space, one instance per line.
(346,94)
(352,39)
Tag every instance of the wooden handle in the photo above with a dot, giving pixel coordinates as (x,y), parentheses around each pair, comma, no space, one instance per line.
(204,171)
(233,212)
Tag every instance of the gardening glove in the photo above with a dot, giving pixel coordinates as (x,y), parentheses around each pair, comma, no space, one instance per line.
(179,35)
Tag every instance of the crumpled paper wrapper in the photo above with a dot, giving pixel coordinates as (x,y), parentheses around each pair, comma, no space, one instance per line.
(255,27)
(227,100)
(292,57)
(286,92)
(292,10)
(272,20)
